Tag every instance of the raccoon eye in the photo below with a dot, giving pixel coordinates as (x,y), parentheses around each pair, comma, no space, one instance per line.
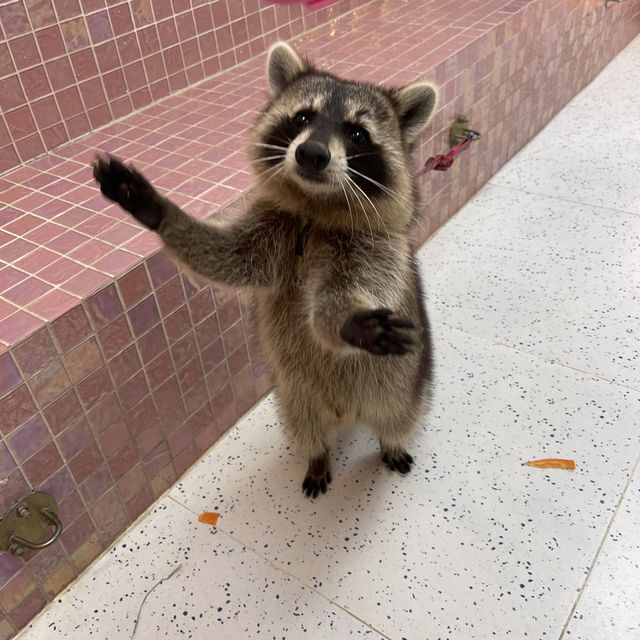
(359,135)
(302,119)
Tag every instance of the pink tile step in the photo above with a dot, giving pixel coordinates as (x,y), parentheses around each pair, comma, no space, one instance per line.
(132,368)
(192,144)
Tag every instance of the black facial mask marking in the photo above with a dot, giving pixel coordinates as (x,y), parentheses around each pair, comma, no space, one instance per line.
(365,159)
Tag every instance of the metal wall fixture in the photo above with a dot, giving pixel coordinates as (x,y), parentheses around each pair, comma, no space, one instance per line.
(460,131)
(31,523)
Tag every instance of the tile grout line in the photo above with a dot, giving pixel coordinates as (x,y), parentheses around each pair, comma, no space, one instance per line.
(599,549)
(154,102)
(290,575)
(138,520)
(535,356)
(553,197)
(216,208)
(571,103)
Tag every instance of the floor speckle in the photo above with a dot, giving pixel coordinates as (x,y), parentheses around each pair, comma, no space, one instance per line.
(533,291)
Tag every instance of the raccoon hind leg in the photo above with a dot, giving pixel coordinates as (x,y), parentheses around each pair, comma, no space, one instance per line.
(308,423)
(393,433)
(397,459)
(318,476)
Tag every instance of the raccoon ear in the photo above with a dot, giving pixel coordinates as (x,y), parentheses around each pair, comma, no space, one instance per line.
(283,65)
(415,105)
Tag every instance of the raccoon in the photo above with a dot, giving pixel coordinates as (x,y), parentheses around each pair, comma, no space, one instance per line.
(325,248)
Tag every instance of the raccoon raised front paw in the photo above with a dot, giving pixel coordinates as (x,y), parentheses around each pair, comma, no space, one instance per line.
(378,332)
(130,189)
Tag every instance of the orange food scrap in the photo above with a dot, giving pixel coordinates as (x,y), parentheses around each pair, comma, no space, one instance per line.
(551,463)
(209,517)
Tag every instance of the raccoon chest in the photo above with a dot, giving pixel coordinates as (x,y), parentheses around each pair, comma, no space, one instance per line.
(281,318)
(292,265)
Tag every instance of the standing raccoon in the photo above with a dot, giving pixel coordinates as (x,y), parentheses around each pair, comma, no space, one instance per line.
(325,248)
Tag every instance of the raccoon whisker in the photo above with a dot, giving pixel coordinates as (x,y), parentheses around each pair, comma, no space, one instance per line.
(350,184)
(416,221)
(267,144)
(346,197)
(359,155)
(272,168)
(280,155)
(286,140)
(373,206)
(388,191)
(270,146)
(279,168)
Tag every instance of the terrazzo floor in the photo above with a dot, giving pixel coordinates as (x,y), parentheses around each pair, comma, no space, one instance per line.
(533,292)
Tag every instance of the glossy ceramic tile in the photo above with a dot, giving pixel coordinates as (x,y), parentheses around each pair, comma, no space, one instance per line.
(470,544)
(588,153)
(554,278)
(222,590)
(609,606)
(613,94)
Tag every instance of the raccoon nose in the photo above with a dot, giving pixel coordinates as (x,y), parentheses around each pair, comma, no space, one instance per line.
(312,155)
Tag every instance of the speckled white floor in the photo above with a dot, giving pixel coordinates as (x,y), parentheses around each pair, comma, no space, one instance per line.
(533,291)
(589,152)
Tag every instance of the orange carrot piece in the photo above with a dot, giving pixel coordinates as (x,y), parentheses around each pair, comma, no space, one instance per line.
(551,463)
(209,517)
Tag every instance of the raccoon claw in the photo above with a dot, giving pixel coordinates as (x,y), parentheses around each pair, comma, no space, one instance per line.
(318,477)
(400,461)
(378,332)
(130,189)
(313,486)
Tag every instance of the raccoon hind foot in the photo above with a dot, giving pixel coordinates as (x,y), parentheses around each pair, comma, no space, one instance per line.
(398,460)
(318,477)
(130,189)
(379,332)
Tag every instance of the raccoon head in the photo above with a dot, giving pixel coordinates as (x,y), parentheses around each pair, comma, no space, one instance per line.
(336,149)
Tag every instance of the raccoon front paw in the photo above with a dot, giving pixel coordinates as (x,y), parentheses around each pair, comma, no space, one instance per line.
(130,189)
(399,461)
(318,477)
(378,332)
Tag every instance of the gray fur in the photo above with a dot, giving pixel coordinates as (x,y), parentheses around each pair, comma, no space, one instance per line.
(336,355)
(415,103)
(283,65)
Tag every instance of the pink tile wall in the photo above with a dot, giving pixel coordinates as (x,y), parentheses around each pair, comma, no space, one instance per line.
(70,66)
(510,82)
(61,241)
(106,401)
(108,405)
